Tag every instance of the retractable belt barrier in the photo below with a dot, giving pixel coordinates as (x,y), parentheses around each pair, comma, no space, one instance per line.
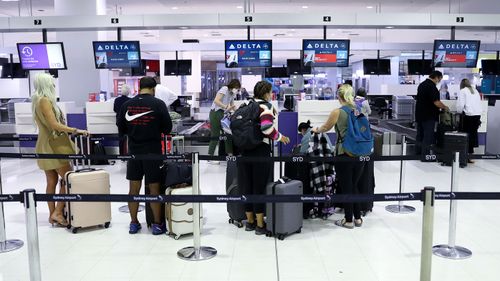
(340,198)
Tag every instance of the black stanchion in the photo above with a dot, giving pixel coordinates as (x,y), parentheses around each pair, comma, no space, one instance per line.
(32,234)
(427,234)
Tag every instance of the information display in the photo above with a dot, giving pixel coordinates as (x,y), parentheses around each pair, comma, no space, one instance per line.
(117,54)
(248,53)
(326,53)
(41,56)
(456,53)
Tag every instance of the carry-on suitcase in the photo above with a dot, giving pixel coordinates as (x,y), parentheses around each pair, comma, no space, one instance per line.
(236,211)
(287,217)
(367,186)
(87,181)
(454,142)
(179,214)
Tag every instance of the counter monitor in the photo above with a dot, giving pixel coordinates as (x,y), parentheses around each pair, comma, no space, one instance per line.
(117,54)
(456,53)
(326,53)
(41,56)
(248,53)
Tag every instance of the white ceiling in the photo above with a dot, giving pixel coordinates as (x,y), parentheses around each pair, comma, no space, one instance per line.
(284,35)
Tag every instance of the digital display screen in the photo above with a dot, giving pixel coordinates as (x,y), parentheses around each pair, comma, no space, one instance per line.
(41,56)
(117,54)
(326,53)
(456,53)
(253,53)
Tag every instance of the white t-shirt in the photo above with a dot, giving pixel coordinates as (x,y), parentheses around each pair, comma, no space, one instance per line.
(469,103)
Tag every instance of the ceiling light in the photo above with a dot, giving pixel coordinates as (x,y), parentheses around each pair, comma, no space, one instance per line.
(305,7)
(175,8)
(239,7)
(369,7)
(10,0)
(183,27)
(389,27)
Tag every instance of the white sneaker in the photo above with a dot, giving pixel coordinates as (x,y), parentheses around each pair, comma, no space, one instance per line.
(213,162)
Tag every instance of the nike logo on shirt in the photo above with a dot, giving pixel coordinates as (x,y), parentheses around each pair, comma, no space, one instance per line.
(129,117)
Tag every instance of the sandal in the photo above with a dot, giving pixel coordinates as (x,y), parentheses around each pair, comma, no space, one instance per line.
(358,222)
(344,223)
(59,221)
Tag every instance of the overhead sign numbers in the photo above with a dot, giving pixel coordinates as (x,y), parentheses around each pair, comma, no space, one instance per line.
(37,22)
(327,18)
(248,19)
(460,19)
(115,20)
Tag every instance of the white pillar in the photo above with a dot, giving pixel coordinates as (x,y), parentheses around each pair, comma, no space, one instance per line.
(81,77)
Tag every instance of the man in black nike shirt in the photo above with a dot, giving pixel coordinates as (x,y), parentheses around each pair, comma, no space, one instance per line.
(144,118)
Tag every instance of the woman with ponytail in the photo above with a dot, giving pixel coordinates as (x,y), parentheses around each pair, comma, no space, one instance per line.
(469,104)
(52,139)
(348,173)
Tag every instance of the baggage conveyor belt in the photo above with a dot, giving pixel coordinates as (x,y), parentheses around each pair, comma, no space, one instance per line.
(387,135)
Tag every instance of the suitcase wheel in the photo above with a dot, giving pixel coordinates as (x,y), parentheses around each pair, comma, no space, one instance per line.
(299,231)
(68,226)
(281,237)
(75,230)
(176,237)
(106,225)
(239,224)
(231,221)
(269,234)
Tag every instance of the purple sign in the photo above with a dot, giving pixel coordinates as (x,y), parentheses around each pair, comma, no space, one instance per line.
(39,56)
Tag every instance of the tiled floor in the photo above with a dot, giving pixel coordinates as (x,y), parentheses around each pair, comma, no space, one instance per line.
(386,248)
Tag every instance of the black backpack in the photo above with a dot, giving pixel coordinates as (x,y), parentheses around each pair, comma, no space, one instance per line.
(245,126)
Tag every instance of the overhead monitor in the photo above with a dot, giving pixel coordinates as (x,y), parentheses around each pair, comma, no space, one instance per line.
(117,54)
(490,67)
(13,70)
(41,56)
(419,67)
(456,53)
(377,66)
(296,67)
(177,67)
(276,72)
(326,53)
(248,53)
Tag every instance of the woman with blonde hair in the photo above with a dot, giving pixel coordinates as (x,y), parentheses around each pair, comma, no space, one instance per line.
(52,139)
(469,104)
(348,173)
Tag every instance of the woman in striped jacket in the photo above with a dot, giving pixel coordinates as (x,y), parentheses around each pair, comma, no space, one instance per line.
(253,177)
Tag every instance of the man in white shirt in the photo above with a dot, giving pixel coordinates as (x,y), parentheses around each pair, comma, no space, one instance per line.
(165,94)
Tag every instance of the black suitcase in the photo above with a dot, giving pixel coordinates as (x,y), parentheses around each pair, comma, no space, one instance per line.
(149,211)
(236,211)
(367,186)
(454,142)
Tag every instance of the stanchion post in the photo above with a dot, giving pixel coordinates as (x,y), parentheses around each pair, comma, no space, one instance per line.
(32,234)
(197,252)
(6,245)
(451,250)
(427,234)
(400,208)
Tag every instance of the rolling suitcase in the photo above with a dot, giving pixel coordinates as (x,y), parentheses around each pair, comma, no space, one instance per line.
(179,214)
(236,211)
(300,171)
(287,217)
(87,181)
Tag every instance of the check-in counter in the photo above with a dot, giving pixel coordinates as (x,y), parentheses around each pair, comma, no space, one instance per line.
(101,119)
(24,116)
(317,111)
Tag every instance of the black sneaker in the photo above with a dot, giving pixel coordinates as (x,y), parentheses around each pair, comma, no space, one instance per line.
(250,226)
(260,230)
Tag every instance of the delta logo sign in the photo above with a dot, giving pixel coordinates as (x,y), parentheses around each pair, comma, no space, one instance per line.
(326,45)
(457,46)
(249,46)
(116,47)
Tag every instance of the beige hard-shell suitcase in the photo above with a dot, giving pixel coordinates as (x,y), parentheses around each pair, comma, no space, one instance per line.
(179,214)
(88,181)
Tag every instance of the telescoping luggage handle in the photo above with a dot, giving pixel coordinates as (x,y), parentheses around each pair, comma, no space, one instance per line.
(82,151)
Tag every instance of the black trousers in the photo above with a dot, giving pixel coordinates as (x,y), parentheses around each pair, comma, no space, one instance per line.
(253,177)
(470,125)
(349,178)
(425,136)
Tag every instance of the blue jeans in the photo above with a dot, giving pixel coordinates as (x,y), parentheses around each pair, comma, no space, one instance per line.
(425,136)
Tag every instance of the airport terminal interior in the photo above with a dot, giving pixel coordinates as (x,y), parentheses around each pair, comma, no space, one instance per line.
(97,51)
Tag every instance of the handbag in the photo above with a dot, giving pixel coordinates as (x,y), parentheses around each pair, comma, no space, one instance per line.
(177,173)
(225,123)
(61,144)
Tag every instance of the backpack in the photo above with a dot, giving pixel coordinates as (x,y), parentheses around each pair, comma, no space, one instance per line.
(245,126)
(358,140)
